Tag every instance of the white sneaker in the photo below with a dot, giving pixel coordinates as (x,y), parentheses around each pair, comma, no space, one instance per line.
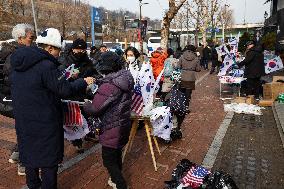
(14,158)
(21,170)
(110,183)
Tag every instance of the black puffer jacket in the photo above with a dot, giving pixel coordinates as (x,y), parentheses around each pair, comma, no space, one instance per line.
(112,104)
(85,65)
(86,69)
(254,63)
(6,108)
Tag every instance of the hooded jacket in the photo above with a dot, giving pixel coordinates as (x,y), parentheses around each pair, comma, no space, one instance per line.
(189,65)
(112,104)
(37,89)
(157,62)
(254,63)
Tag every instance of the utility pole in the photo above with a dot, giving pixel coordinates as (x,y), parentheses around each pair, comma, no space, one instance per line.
(187,28)
(35,22)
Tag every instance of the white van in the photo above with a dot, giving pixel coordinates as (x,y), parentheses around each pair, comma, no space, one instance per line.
(153,44)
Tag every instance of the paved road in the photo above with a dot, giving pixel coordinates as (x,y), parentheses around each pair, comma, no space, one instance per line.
(252,152)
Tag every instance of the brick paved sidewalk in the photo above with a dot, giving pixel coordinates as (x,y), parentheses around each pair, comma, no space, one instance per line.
(199,130)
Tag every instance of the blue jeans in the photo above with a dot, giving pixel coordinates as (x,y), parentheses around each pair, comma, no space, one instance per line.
(205,64)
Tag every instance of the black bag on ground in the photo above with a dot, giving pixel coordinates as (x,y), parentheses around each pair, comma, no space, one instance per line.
(219,180)
(177,101)
(178,173)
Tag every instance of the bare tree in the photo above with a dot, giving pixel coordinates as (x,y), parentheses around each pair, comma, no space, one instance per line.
(225,17)
(174,7)
(179,20)
(202,12)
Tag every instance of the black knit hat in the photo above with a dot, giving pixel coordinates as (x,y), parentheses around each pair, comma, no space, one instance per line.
(79,44)
(109,62)
(250,42)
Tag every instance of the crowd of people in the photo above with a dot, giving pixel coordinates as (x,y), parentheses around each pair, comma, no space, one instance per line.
(34,80)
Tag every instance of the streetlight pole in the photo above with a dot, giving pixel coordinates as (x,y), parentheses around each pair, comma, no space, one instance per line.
(140,24)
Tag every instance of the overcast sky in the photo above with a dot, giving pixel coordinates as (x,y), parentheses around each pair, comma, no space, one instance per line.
(254,11)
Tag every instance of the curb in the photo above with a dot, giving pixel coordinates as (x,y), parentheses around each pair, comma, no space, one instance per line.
(278,120)
(213,151)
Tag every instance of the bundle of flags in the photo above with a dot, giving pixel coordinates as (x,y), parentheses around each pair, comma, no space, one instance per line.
(145,88)
(222,49)
(162,122)
(194,177)
(227,65)
(74,124)
(72,114)
(137,101)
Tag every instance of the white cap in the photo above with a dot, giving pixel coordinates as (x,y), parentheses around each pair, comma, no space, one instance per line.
(50,36)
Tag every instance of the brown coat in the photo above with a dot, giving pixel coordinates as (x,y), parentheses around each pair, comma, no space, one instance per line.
(189,65)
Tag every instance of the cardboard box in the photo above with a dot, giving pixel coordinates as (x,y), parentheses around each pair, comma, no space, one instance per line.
(266,103)
(250,99)
(240,100)
(276,78)
(272,90)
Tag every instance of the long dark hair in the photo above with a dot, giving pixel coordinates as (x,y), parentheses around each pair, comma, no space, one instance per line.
(134,50)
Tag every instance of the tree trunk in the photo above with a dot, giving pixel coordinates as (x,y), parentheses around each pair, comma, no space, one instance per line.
(196,38)
(165,31)
(169,16)
(204,37)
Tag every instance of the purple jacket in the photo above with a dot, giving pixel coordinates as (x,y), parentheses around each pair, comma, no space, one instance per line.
(112,104)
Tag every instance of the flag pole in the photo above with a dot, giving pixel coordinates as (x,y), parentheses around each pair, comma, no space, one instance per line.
(35,22)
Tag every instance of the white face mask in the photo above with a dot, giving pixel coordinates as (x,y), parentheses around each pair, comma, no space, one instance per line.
(131,59)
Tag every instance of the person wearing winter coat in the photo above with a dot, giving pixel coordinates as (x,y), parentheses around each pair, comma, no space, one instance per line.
(178,53)
(157,61)
(78,56)
(112,105)
(24,36)
(170,64)
(200,51)
(189,65)
(254,68)
(37,89)
(206,57)
(214,59)
(132,61)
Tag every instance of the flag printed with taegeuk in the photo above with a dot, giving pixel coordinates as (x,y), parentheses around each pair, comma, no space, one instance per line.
(272,63)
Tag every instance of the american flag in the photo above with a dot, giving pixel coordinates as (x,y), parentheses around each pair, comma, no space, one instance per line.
(137,100)
(72,115)
(195,176)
